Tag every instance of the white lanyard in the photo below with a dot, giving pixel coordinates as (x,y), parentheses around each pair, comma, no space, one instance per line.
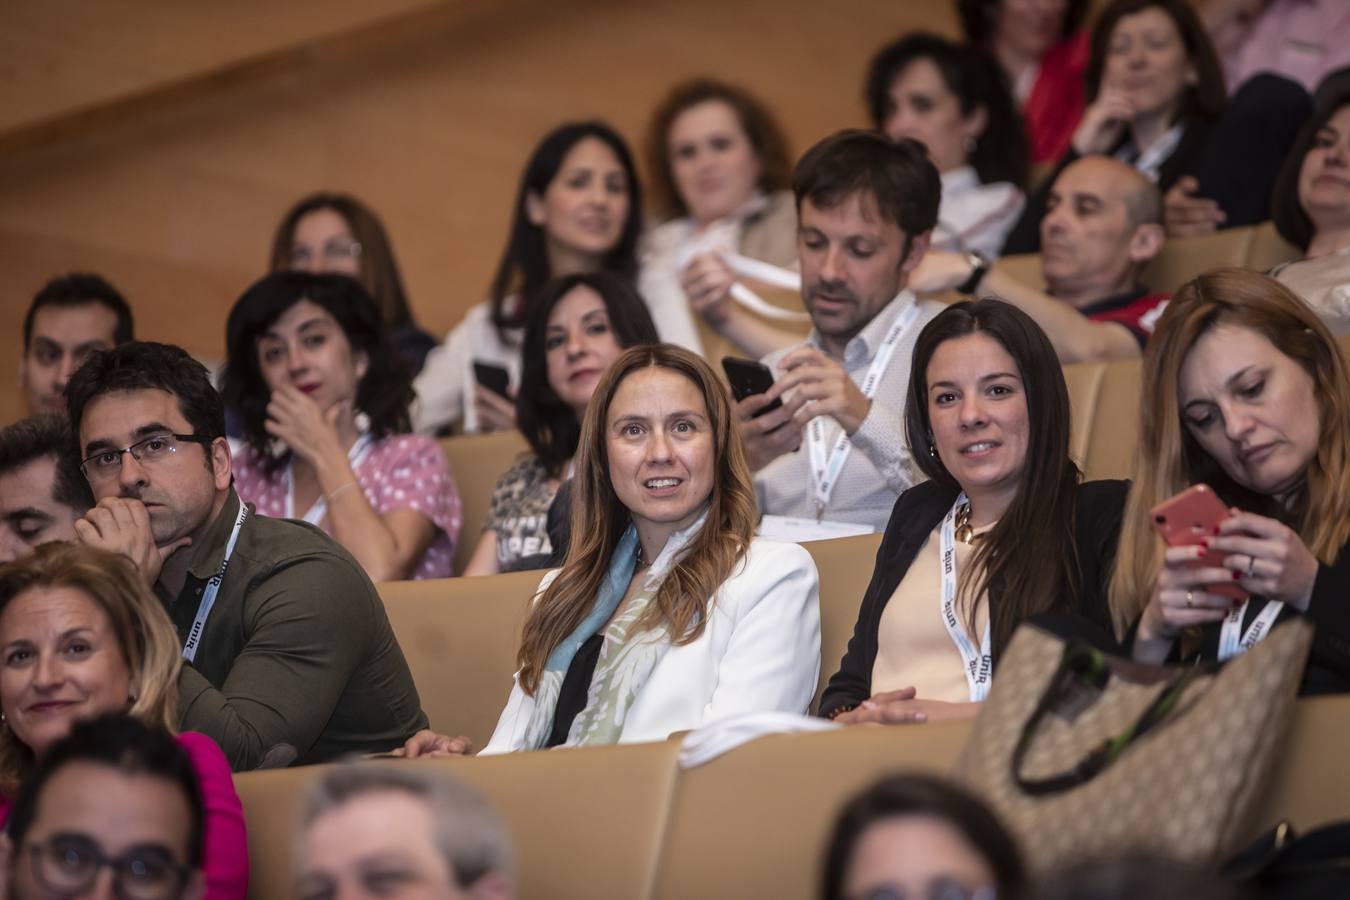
(826,470)
(194,638)
(1231,639)
(356,455)
(1149,162)
(978,663)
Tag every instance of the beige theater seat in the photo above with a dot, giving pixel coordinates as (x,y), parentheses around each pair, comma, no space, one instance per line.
(586,823)
(624,822)
(1256,247)
(460,636)
(476,462)
(753,823)
(845,567)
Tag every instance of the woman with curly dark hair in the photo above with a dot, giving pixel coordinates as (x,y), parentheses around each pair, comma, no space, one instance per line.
(324,404)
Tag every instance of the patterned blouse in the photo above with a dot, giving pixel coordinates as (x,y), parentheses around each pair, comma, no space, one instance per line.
(519,516)
(401,471)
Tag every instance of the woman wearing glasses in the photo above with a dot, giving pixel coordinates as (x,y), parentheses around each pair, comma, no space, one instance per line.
(324,408)
(337,233)
(83,637)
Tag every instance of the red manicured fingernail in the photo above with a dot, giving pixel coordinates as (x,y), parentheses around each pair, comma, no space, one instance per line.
(1216,529)
(1237,576)
(1204,542)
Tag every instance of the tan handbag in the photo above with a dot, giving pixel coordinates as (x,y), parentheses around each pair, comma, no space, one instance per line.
(1084,754)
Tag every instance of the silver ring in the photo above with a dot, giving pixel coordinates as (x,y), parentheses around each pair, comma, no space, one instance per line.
(1190,599)
(1251,565)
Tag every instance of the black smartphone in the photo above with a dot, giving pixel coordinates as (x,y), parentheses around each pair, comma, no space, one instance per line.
(493,377)
(746,377)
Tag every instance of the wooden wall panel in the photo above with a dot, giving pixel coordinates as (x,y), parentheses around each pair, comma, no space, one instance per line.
(177,204)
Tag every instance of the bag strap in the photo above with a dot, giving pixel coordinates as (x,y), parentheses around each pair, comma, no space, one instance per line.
(1082,662)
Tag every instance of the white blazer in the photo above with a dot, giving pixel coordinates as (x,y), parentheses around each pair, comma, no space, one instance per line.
(760,652)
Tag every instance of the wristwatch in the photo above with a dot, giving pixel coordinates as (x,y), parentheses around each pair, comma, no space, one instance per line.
(979,265)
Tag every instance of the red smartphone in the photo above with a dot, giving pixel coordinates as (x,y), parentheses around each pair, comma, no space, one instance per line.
(1187,519)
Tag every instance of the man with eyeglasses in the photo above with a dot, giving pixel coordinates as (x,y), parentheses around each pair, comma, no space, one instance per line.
(288,654)
(112,810)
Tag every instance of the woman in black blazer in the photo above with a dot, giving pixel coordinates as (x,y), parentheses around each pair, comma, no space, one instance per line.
(1156,100)
(1002,532)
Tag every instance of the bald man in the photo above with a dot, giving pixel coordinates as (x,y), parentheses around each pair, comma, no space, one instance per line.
(1102,224)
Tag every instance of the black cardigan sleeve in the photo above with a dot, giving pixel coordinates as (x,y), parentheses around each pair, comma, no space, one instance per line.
(915,515)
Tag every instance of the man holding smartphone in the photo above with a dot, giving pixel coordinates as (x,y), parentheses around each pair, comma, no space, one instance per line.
(835,451)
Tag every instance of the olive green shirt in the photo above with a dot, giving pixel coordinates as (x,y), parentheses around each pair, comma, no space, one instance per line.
(297,649)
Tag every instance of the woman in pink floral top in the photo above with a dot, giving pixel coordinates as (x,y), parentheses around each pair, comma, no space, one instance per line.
(323,400)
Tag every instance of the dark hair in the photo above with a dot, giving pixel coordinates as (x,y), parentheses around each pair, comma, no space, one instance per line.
(120,742)
(81,289)
(379,271)
(1206,98)
(898,796)
(549,424)
(44,436)
(898,176)
(758,123)
(524,264)
(1042,511)
(147,365)
(979,18)
(384,392)
(1001,152)
(1286,206)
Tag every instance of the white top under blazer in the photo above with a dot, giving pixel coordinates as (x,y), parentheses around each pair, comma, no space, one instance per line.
(760,652)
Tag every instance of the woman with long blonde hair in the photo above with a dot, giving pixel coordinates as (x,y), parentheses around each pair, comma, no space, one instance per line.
(1244,390)
(82,636)
(667,613)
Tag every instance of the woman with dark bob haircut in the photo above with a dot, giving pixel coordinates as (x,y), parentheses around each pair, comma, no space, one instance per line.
(921,837)
(720,170)
(336,233)
(1043,52)
(1312,211)
(954,100)
(578,325)
(1156,100)
(988,415)
(324,406)
(578,209)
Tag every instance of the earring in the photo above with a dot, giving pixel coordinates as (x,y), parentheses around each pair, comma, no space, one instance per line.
(969,144)
(362,422)
(932,451)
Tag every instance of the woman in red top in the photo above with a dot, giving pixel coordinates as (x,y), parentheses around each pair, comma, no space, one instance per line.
(1042,47)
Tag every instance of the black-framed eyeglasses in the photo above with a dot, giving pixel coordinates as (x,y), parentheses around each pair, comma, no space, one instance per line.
(68,865)
(938,889)
(105,464)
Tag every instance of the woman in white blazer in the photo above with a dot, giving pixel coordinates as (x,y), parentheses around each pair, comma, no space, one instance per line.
(667,613)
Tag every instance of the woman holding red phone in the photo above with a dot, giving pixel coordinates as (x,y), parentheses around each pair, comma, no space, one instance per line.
(1245,390)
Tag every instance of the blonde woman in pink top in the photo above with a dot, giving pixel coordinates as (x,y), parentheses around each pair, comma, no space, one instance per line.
(82,636)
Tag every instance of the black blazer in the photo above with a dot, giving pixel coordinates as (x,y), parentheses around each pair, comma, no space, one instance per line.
(918,511)
(1328,669)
